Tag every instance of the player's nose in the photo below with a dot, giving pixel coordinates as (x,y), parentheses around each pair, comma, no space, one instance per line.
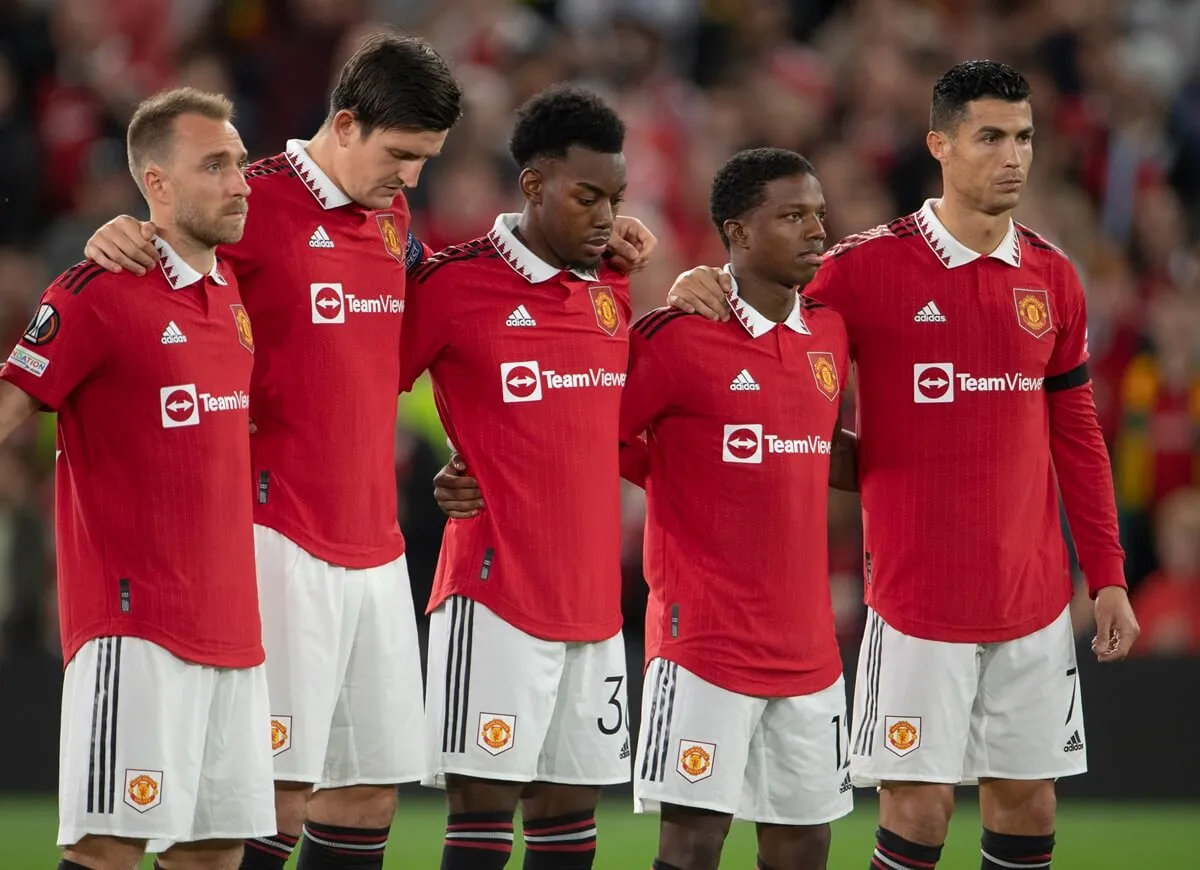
(410,172)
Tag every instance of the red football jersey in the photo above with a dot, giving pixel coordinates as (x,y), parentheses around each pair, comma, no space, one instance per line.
(150,378)
(323,280)
(527,364)
(739,419)
(971,389)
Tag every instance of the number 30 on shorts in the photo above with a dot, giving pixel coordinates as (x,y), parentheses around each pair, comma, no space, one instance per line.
(613,701)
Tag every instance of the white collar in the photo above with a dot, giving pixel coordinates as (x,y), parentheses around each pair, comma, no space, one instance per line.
(178,273)
(754,321)
(523,261)
(954,253)
(319,184)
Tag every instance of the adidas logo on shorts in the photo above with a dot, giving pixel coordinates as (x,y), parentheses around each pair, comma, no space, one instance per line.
(846,785)
(930,314)
(520,317)
(1075,744)
(625,753)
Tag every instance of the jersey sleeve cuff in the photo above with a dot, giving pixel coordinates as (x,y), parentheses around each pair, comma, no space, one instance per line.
(1104,573)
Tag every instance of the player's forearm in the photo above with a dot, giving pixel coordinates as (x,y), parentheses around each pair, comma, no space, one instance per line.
(843,461)
(1085,482)
(16,406)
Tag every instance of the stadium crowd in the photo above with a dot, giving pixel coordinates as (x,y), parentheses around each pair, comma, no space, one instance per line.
(1116,183)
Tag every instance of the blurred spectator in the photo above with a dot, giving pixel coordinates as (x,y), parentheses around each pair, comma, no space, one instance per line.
(1168,603)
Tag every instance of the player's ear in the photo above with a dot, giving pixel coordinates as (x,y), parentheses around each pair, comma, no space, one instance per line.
(532,184)
(343,126)
(735,231)
(154,181)
(937,142)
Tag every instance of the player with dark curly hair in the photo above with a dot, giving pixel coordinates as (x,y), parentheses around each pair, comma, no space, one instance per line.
(525,334)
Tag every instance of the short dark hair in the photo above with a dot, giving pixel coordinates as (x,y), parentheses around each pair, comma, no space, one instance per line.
(151,132)
(969,81)
(397,82)
(562,116)
(741,184)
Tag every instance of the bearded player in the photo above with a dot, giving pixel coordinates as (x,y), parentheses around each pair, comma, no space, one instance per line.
(969,336)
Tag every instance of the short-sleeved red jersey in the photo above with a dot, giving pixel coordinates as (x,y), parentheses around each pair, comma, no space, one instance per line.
(738,420)
(150,377)
(527,363)
(323,280)
(971,391)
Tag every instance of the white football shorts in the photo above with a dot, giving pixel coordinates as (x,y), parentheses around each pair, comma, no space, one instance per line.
(931,711)
(343,668)
(155,748)
(779,761)
(504,705)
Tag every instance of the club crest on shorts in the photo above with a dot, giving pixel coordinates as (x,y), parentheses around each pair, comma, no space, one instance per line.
(496,732)
(696,760)
(902,734)
(1033,311)
(281,734)
(607,316)
(143,789)
(391,235)
(245,333)
(825,371)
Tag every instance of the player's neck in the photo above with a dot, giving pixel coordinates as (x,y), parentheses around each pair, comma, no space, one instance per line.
(199,256)
(531,236)
(773,301)
(980,232)
(320,150)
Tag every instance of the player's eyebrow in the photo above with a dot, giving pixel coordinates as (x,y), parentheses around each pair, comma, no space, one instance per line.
(996,131)
(599,191)
(788,207)
(238,157)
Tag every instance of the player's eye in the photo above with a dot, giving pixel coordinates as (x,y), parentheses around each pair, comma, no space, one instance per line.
(586,202)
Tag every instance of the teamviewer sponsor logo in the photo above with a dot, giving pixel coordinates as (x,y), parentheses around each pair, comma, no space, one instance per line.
(328,303)
(521,381)
(742,443)
(933,383)
(180,406)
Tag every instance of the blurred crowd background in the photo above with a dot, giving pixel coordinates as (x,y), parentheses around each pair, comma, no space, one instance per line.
(1116,183)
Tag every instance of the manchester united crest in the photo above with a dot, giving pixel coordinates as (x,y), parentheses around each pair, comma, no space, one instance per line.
(695,760)
(903,734)
(605,304)
(824,370)
(281,734)
(143,789)
(245,333)
(1033,311)
(391,235)
(496,732)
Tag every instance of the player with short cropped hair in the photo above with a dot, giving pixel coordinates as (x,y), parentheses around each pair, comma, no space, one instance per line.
(744,706)
(165,705)
(969,337)
(525,334)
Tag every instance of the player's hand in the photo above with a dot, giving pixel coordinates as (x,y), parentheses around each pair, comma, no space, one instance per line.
(123,244)
(253,427)
(703,290)
(631,244)
(457,494)
(1116,626)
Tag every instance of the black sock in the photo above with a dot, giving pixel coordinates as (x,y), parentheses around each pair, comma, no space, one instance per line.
(477,841)
(663,865)
(763,865)
(1004,851)
(893,851)
(64,864)
(330,847)
(565,842)
(268,853)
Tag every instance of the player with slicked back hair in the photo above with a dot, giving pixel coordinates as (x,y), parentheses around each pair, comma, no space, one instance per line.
(525,335)
(975,407)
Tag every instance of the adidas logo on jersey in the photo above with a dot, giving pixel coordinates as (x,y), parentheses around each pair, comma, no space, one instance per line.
(520,317)
(173,335)
(744,382)
(930,314)
(320,239)
(1075,744)
(846,785)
